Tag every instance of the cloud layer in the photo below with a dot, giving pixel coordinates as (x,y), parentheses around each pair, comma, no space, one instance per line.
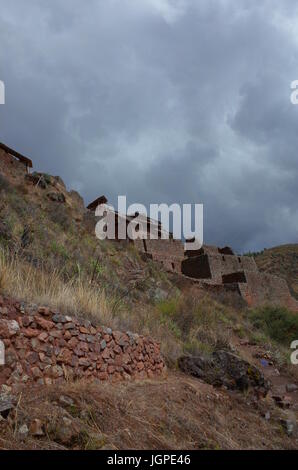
(164,101)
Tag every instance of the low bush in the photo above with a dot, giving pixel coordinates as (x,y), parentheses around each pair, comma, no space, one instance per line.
(278,323)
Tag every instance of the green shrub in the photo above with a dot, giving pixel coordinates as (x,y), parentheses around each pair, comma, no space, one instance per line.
(59,250)
(201,325)
(278,323)
(168,308)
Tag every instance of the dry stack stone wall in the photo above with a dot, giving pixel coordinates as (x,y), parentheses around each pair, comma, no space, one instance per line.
(45,347)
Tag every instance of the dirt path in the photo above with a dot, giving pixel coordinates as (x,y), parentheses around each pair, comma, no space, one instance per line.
(280,380)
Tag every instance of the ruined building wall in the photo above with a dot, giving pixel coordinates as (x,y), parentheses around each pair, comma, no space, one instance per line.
(169,253)
(197,267)
(10,166)
(214,267)
(263,288)
(204,250)
(221,265)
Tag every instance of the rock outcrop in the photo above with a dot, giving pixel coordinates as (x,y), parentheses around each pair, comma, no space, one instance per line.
(223,368)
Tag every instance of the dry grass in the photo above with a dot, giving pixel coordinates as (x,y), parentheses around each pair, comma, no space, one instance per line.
(185,323)
(178,412)
(79,297)
(23,281)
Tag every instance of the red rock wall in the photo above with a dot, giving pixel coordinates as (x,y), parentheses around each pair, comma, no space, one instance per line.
(45,347)
(263,288)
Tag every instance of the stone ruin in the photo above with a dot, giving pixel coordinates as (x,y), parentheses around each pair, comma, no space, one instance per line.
(168,252)
(212,267)
(13,162)
(215,266)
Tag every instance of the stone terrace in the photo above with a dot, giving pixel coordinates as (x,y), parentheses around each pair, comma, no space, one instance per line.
(44,347)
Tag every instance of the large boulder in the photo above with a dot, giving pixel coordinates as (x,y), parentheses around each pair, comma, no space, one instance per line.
(223,368)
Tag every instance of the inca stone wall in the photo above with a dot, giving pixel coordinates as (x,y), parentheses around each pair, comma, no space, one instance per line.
(213,267)
(219,266)
(262,288)
(169,253)
(45,347)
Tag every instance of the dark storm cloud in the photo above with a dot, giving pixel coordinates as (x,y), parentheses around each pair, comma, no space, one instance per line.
(165,101)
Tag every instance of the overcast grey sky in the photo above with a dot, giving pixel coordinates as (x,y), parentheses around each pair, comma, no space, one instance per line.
(164,101)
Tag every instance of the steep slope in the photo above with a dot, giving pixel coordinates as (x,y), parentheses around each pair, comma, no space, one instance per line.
(281,261)
(50,257)
(177,412)
(44,224)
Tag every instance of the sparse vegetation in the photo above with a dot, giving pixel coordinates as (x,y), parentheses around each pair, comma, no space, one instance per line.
(65,267)
(278,323)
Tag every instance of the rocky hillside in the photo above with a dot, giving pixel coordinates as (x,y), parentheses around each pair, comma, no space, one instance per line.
(281,261)
(50,260)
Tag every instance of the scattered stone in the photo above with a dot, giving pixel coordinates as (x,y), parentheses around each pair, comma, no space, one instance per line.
(6,405)
(23,431)
(44,311)
(64,400)
(36,372)
(288,425)
(5,390)
(31,332)
(65,431)
(44,324)
(291,388)
(282,401)
(8,328)
(59,318)
(56,371)
(107,331)
(267,415)
(37,428)
(65,356)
